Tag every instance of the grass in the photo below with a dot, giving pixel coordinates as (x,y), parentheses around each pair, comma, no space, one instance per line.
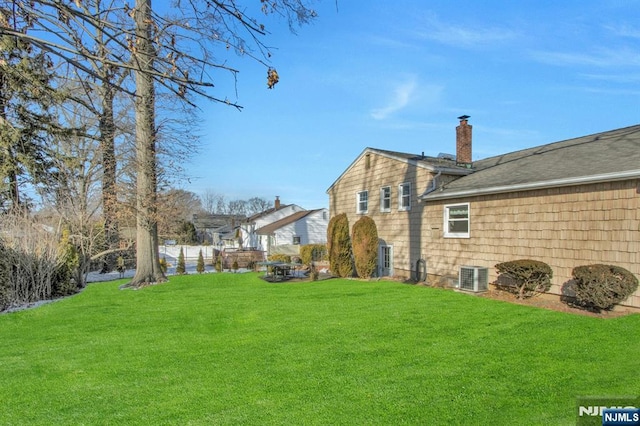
(232,349)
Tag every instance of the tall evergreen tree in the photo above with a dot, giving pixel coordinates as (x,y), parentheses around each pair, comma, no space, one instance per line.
(27,125)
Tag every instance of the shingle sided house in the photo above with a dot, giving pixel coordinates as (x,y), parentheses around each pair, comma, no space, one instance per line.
(569,203)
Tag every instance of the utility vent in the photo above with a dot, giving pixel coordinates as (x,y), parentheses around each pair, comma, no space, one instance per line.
(474,278)
(446,156)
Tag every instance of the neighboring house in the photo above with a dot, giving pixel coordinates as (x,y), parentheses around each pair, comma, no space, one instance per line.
(569,203)
(217,228)
(253,240)
(289,233)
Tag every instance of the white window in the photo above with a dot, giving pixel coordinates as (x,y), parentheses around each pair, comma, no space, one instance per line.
(404,196)
(363,202)
(385,199)
(456,221)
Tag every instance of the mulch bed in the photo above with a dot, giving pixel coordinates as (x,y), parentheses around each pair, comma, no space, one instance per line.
(553,302)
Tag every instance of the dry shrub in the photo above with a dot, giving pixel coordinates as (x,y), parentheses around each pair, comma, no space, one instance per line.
(33,264)
(600,287)
(526,277)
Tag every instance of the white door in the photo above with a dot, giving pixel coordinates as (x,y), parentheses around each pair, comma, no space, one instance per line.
(385,260)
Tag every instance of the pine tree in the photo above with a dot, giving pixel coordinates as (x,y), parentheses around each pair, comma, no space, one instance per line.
(200,265)
(27,124)
(180,268)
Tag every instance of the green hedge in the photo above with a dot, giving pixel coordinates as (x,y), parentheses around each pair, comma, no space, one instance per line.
(313,253)
(339,246)
(280,257)
(365,247)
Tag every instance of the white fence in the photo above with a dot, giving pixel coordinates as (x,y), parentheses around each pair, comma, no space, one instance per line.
(171,253)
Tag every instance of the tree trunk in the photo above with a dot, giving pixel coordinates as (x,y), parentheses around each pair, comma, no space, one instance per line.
(109,196)
(148,269)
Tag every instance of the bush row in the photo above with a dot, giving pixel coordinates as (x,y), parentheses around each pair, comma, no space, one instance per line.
(358,251)
(597,287)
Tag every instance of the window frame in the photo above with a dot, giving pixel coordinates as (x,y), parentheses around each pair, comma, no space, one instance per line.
(402,195)
(447,220)
(296,240)
(384,209)
(359,201)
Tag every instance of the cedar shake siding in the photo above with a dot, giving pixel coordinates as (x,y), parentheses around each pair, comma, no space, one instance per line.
(563,227)
(569,203)
(377,169)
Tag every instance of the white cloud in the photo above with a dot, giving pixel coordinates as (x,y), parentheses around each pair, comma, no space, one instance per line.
(625,30)
(606,57)
(633,78)
(464,36)
(402,96)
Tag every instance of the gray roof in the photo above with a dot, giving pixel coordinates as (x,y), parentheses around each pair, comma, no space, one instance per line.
(435,164)
(606,156)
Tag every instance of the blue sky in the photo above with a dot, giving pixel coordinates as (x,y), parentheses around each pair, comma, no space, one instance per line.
(396,75)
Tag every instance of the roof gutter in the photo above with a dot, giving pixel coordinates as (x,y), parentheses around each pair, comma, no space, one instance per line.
(555,183)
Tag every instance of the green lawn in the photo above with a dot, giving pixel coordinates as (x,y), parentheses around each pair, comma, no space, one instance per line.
(233,349)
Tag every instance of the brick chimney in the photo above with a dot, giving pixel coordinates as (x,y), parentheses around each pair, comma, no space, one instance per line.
(277,203)
(463,141)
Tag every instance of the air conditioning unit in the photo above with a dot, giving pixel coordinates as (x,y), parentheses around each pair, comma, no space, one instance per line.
(473,278)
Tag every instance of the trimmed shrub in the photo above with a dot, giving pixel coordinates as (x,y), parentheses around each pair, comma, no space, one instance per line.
(181,268)
(200,264)
(365,246)
(524,277)
(235,265)
(313,253)
(339,246)
(218,263)
(280,257)
(600,287)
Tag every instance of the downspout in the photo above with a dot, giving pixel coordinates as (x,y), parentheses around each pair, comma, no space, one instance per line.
(421,264)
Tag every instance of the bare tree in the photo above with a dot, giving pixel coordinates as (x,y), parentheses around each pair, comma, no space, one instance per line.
(237,207)
(209,201)
(257,205)
(176,52)
(175,207)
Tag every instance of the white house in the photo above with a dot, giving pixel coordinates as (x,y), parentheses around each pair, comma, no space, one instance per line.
(289,233)
(250,238)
